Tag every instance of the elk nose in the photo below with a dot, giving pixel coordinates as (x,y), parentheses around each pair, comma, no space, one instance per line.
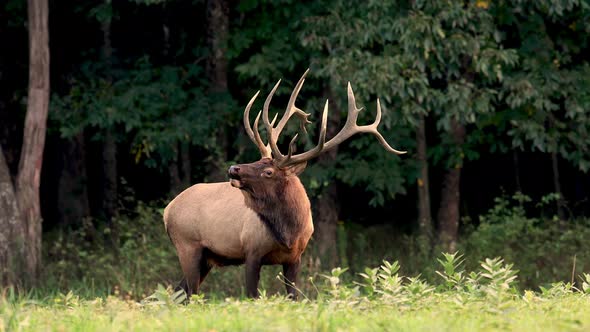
(233,170)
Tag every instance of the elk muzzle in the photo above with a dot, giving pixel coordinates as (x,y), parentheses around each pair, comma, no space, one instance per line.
(234,176)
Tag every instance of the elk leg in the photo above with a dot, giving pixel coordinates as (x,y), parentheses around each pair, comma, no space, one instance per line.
(204,270)
(290,271)
(190,262)
(253,266)
(182,285)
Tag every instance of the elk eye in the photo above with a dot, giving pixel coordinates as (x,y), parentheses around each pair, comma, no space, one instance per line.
(268,172)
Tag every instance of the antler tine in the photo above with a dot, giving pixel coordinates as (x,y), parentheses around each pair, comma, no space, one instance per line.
(247,116)
(292,146)
(275,132)
(255,136)
(353,112)
(267,152)
(272,140)
(372,128)
(350,128)
(292,109)
(316,151)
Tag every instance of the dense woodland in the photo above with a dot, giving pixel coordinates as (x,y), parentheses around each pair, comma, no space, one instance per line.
(106,106)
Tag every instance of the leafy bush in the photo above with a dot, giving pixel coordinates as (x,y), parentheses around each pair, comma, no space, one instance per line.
(525,233)
(127,263)
(493,283)
(544,248)
(93,261)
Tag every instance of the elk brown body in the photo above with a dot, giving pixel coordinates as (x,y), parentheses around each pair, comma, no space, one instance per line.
(262,216)
(259,219)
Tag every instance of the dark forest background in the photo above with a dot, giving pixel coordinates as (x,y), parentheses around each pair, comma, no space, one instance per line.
(491,99)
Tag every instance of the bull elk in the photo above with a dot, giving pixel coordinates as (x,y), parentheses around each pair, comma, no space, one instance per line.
(262,216)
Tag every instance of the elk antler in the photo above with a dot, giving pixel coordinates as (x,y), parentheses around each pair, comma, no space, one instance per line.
(274,132)
(350,128)
(266,150)
(255,135)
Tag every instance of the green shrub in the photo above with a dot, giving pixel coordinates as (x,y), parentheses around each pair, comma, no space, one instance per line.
(127,262)
(544,248)
(139,255)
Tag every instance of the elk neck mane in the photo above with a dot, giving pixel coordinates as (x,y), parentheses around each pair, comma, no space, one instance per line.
(284,212)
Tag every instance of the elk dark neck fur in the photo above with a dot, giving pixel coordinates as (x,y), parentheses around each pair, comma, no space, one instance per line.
(285,211)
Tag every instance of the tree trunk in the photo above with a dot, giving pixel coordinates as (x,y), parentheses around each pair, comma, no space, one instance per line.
(179,169)
(12,232)
(73,203)
(185,165)
(31,159)
(217,35)
(107,48)
(109,185)
(326,222)
(109,147)
(516,165)
(424,212)
(557,186)
(174,175)
(327,206)
(448,213)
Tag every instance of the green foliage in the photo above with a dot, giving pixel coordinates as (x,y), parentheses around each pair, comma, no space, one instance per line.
(149,2)
(542,247)
(493,283)
(103,12)
(164,296)
(153,107)
(85,259)
(334,287)
(262,44)
(547,110)
(429,58)
(554,111)
(586,283)
(451,273)
(509,72)
(545,255)
(15,11)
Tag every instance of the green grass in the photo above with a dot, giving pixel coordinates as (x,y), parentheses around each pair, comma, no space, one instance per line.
(440,312)
(380,299)
(88,285)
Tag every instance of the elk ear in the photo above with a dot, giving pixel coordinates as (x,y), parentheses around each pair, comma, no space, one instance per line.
(296,169)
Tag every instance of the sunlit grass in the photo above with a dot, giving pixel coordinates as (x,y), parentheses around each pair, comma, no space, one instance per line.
(379,299)
(438,313)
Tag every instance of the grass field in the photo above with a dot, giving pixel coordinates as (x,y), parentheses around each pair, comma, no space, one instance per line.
(437,313)
(380,299)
